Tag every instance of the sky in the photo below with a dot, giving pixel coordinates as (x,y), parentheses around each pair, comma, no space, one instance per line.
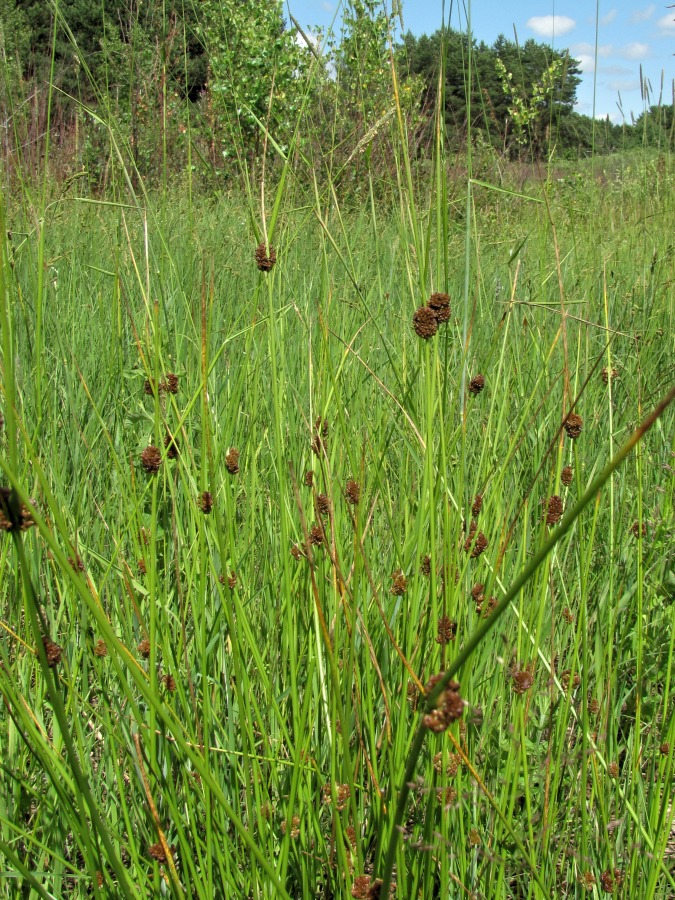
(630,35)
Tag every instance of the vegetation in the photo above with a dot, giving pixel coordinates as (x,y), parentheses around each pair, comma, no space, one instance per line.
(338,503)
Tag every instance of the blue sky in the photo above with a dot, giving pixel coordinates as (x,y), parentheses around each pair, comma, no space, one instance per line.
(630,35)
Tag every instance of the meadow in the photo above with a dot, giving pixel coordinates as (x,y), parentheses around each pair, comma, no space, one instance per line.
(275,461)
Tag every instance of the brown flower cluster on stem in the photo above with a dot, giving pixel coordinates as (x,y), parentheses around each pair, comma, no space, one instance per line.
(447,630)
(353,492)
(399,584)
(554,510)
(265,261)
(573,426)
(52,651)
(567,475)
(481,542)
(8,520)
(476,384)
(151,459)
(232,461)
(449,706)
(427,318)
(205,502)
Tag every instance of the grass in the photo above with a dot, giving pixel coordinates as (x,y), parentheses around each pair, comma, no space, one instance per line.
(228,703)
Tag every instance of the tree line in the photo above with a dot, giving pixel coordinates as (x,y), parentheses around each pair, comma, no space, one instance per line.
(198,84)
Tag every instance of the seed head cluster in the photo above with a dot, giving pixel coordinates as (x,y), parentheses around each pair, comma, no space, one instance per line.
(449,706)
(151,459)
(232,461)
(427,318)
(573,426)
(399,584)
(265,261)
(554,510)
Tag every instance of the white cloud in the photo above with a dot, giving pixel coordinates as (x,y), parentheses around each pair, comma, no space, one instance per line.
(608,18)
(328,7)
(642,15)
(585,49)
(667,23)
(548,26)
(613,69)
(635,51)
(586,62)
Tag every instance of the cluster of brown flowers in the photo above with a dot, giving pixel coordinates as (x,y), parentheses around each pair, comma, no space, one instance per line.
(399,584)
(449,706)
(554,510)
(609,881)
(263,259)
(151,459)
(319,436)
(523,679)
(608,375)
(342,795)
(447,630)
(205,502)
(476,384)
(52,651)
(638,529)
(573,425)
(353,492)
(365,887)
(8,520)
(168,386)
(427,318)
(232,461)
(480,545)
(567,475)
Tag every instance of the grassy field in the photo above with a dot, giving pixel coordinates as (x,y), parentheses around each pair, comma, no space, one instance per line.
(216,655)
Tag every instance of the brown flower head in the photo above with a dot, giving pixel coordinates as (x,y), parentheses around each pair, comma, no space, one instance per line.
(608,375)
(100,649)
(296,552)
(205,502)
(151,459)
(9,521)
(477,505)
(171,445)
(425,565)
(142,567)
(522,681)
(613,770)
(399,583)
(361,887)
(449,706)
(322,504)
(637,529)
(170,384)
(232,461)
(425,323)
(232,580)
(294,827)
(309,478)
(664,749)
(440,304)
(264,260)
(573,426)
(476,384)
(316,534)
(567,475)
(353,492)
(156,851)
(554,510)
(52,651)
(447,629)
(609,881)
(144,648)
(169,683)
(481,542)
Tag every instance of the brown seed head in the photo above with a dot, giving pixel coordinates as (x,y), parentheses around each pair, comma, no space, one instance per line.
(171,445)
(232,461)
(7,521)
(350,834)
(232,580)
(353,492)
(100,649)
(264,260)
(477,505)
(609,375)
(142,567)
(294,827)
(474,838)
(664,749)
(399,584)
(587,881)
(322,504)
(594,706)
(480,546)
(144,648)
(567,475)
(296,552)
(169,683)
(637,529)
(361,887)
(440,304)
(522,681)
(151,459)
(425,565)
(613,770)
(205,502)
(554,510)
(316,534)
(478,593)
(476,384)
(573,426)
(447,629)
(309,478)
(449,706)
(52,651)
(425,323)
(156,851)
(170,384)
